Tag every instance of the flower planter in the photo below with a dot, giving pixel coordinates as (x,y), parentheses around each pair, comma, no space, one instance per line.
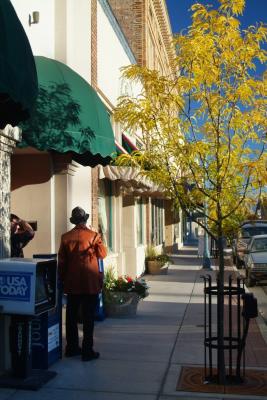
(156,268)
(121,304)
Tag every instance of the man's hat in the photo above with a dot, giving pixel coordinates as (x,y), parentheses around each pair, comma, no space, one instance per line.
(78,216)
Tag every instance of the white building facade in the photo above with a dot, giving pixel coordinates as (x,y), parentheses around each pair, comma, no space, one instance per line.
(86,36)
(45,186)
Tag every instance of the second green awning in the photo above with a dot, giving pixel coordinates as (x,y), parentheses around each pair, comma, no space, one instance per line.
(69,116)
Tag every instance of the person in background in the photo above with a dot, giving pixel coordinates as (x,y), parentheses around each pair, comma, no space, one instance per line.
(82,281)
(21,234)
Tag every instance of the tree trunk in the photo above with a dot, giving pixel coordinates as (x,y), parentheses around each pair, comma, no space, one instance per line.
(220,313)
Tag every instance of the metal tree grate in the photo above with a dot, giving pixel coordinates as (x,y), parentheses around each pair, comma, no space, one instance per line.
(235,330)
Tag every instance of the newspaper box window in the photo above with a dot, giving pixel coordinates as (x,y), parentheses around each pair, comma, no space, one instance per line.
(28,288)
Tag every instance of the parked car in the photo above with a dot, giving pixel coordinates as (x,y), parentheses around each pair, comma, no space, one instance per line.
(256,260)
(245,232)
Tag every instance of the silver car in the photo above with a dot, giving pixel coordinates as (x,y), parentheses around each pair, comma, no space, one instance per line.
(246,231)
(256,260)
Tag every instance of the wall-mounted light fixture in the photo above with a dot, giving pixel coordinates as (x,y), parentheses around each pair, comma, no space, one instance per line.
(34,18)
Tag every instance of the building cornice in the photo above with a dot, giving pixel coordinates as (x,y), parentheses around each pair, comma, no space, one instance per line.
(165,26)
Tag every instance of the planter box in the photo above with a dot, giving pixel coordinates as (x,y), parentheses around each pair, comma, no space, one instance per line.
(156,268)
(121,304)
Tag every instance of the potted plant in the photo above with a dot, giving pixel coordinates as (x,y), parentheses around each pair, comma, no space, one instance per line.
(121,294)
(156,264)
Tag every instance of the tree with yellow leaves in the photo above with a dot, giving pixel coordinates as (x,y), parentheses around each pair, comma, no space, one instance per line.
(204,128)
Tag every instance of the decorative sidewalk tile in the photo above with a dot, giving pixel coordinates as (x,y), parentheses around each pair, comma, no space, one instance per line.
(191,379)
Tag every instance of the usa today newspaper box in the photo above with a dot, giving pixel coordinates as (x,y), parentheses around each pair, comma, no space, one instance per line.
(28,288)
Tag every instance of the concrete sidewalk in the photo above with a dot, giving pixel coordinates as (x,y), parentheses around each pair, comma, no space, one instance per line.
(141,358)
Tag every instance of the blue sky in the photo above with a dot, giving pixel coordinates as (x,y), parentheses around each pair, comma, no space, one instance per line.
(255,11)
(180,16)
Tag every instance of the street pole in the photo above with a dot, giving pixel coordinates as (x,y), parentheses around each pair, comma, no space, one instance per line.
(206,264)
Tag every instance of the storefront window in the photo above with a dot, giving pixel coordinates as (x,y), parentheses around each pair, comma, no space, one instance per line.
(157,221)
(139,222)
(105,212)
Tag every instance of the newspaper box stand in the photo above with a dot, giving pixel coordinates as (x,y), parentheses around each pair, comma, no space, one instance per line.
(28,288)
(47,330)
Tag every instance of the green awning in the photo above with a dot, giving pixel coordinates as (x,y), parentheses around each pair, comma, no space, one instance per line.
(18,78)
(69,116)
(128,144)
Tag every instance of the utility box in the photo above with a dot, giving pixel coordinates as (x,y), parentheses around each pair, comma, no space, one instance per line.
(27,286)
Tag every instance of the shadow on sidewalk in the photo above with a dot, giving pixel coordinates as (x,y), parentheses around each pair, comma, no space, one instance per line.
(182,261)
(186,251)
(187,255)
(177,275)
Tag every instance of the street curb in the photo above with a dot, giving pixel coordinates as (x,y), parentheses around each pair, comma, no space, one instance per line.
(262,326)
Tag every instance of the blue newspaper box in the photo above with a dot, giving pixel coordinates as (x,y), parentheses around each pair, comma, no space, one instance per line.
(47,330)
(28,290)
(100,312)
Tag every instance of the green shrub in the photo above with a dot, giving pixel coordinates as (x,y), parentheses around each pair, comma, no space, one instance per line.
(153,255)
(163,258)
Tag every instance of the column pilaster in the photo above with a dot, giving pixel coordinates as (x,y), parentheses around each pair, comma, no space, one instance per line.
(9,136)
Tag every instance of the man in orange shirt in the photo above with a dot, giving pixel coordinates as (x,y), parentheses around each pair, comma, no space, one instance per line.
(78,267)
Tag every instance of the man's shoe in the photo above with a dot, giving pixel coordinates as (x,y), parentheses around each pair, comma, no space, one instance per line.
(73,353)
(93,355)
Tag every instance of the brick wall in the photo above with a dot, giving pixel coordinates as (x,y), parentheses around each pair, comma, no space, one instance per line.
(130,15)
(169,227)
(94,198)
(146,27)
(94,43)
(94,171)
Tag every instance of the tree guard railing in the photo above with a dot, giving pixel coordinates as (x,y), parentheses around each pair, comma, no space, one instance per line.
(239,308)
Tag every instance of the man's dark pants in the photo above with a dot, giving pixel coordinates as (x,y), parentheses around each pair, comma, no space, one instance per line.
(88,303)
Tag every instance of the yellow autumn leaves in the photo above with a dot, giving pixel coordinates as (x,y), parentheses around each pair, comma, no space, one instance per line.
(206,123)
